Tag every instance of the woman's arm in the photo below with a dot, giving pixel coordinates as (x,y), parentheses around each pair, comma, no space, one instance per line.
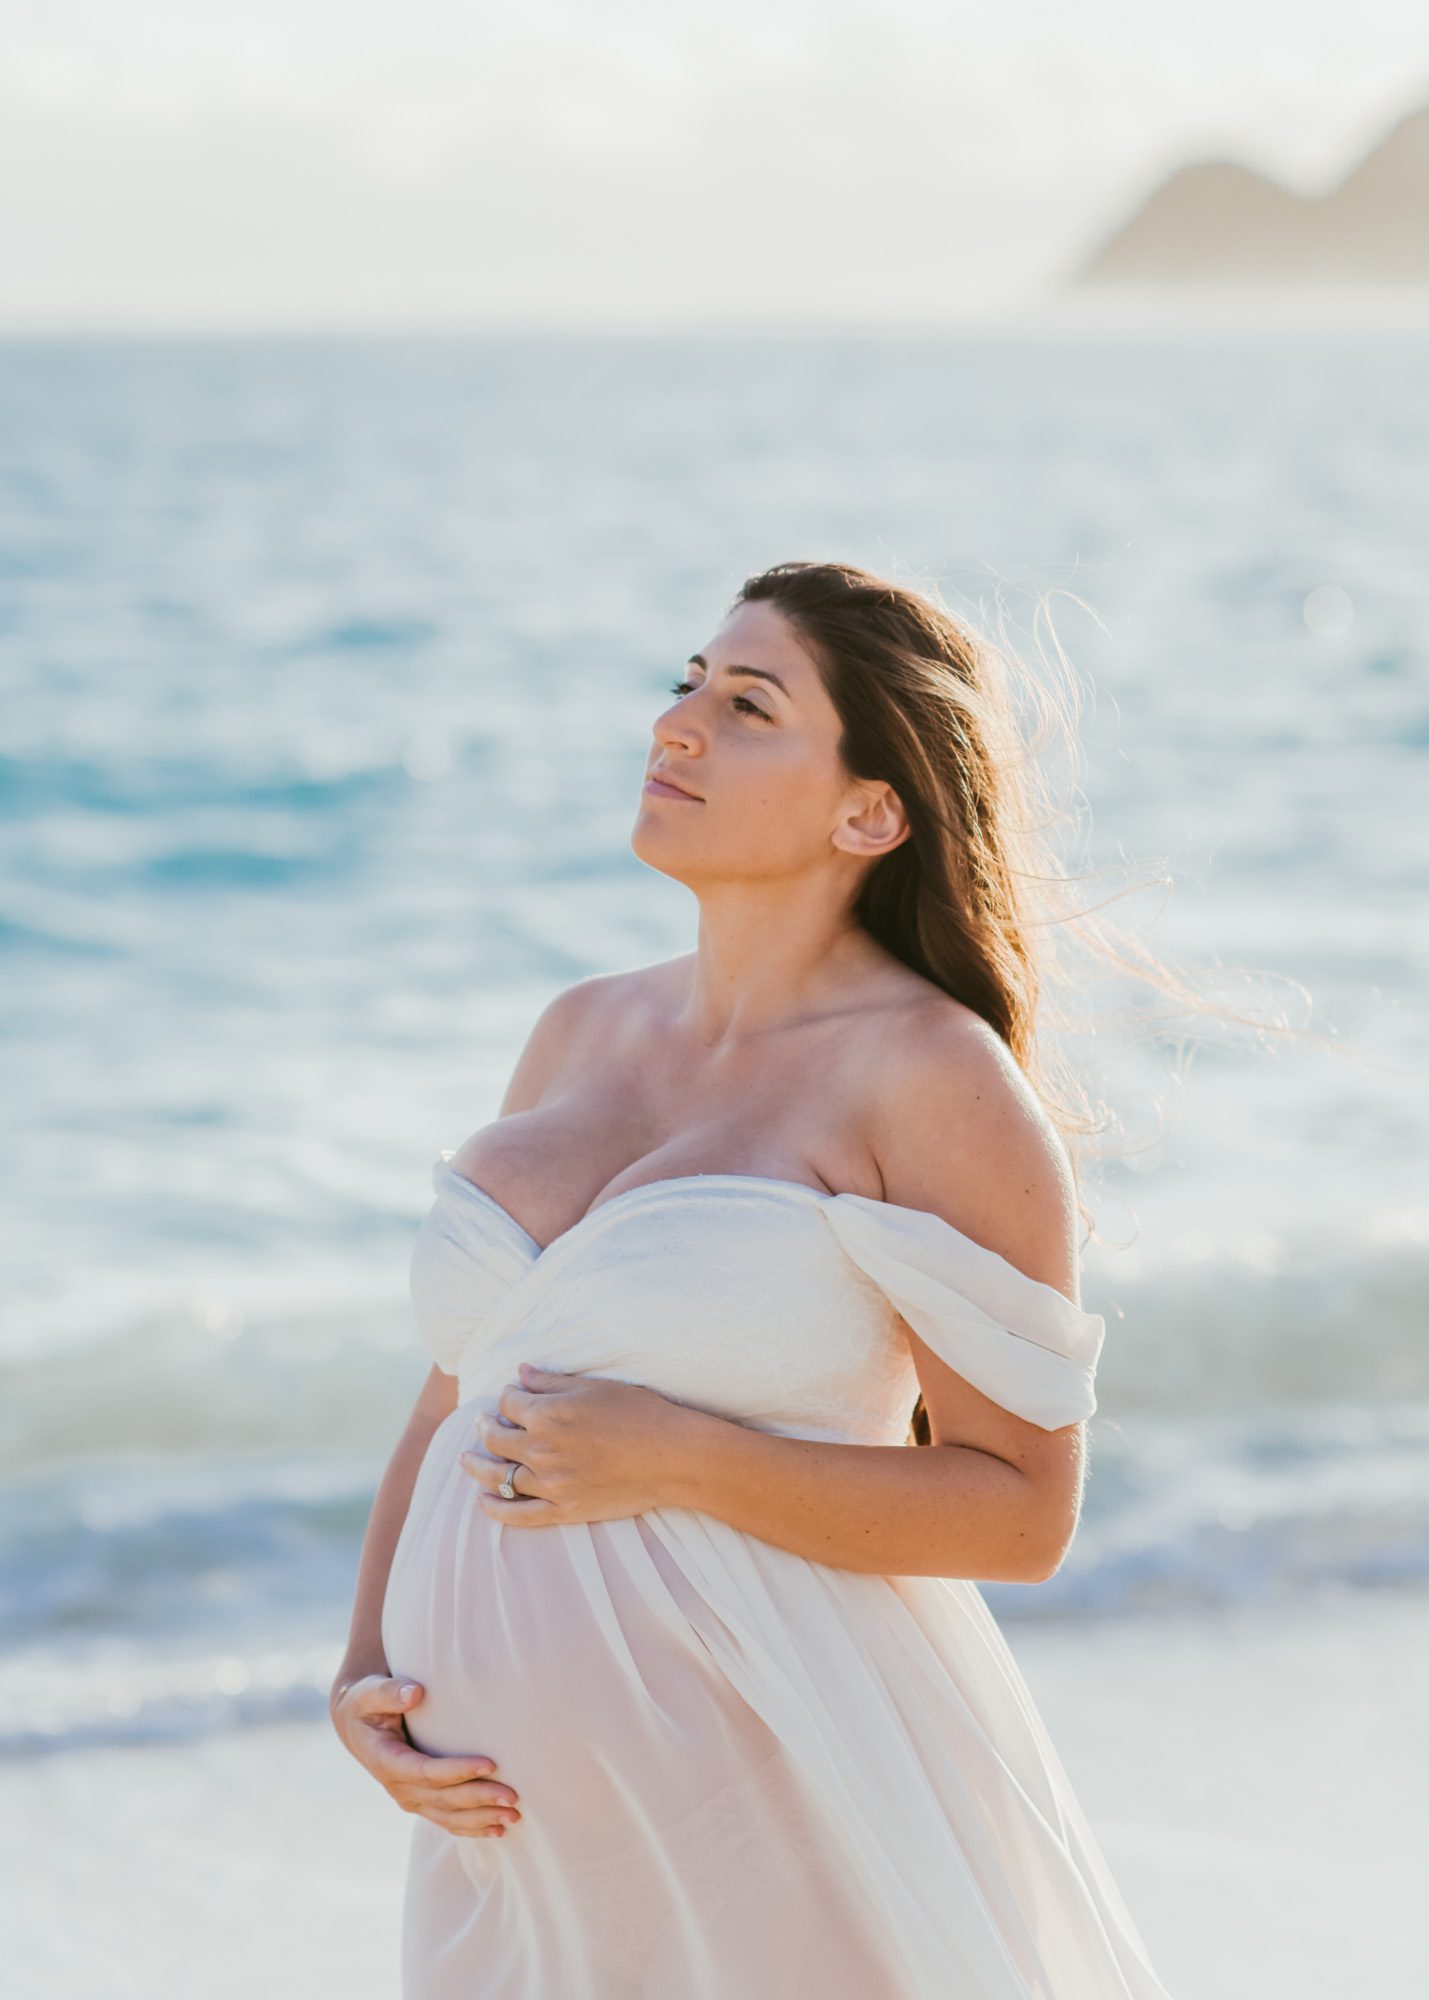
(957,1131)
(365,1653)
(889,1510)
(598,1450)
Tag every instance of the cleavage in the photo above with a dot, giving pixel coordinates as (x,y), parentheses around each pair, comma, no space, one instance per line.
(609,1192)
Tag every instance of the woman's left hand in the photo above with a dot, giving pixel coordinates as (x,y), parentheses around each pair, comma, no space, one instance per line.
(587,1449)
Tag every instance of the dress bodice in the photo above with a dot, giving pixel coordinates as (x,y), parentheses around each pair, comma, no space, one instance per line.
(763,1300)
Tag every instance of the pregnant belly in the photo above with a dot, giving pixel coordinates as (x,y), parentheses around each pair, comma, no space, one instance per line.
(572,1655)
(659,1810)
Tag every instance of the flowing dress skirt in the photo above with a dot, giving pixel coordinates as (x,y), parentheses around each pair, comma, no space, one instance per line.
(740,1773)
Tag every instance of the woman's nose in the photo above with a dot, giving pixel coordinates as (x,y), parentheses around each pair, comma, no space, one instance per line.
(676,725)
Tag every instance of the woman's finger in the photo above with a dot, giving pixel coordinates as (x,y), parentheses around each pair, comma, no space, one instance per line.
(483,1468)
(465,1819)
(467,1826)
(525,1511)
(383,1694)
(517,1403)
(494,1435)
(455,1809)
(390,1758)
(483,1792)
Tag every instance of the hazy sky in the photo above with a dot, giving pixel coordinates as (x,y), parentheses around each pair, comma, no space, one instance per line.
(212,163)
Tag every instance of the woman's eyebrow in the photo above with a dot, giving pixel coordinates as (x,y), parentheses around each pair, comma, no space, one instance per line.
(756,673)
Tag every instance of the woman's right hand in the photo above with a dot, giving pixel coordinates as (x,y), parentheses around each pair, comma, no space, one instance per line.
(457,1793)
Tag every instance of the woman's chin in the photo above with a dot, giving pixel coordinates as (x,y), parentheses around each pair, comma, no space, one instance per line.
(654,844)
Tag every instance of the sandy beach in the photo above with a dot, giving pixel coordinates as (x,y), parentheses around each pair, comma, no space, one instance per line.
(1252,1778)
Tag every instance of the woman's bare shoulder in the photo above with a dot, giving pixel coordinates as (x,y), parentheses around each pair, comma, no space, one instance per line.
(959,1129)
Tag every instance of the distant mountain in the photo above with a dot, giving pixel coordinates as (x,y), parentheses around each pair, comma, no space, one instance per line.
(1219,223)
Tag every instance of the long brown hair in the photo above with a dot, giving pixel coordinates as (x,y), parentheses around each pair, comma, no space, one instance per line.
(977,899)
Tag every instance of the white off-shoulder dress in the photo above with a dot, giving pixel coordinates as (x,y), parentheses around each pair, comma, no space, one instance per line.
(742,1775)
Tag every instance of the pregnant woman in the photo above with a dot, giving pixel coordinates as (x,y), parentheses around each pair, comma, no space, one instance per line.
(668,1639)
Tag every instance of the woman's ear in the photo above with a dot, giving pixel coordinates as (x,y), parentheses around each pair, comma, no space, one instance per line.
(875,825)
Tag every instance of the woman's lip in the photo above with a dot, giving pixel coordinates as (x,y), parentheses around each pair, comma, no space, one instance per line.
(661,790)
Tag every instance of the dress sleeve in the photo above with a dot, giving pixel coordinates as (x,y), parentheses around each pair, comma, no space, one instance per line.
(1020,1342)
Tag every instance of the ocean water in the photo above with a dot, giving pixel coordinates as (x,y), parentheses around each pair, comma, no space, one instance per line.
(328,673)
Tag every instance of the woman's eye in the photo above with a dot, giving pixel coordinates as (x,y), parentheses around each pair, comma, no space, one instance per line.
(741,701)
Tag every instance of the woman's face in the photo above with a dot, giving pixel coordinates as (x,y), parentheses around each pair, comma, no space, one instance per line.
(753,735)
